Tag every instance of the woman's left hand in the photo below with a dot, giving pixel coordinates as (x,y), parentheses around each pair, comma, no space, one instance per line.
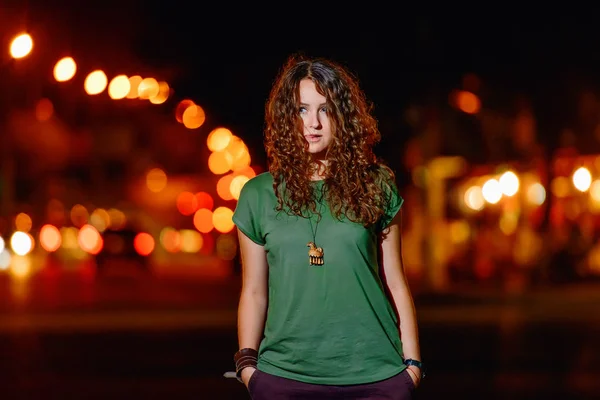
(415,374)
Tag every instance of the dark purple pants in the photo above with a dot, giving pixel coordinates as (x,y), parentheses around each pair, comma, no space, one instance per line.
(263,386)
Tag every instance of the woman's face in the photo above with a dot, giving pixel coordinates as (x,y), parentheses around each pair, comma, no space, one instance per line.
(315,117)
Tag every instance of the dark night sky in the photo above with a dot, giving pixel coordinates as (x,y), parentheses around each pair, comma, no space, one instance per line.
(225,56)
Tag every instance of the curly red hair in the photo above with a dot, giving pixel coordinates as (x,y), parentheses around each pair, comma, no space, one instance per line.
(354,174)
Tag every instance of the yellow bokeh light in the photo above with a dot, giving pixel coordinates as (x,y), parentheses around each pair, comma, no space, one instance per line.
(5,259)
(162,95)
(191,241)
(21,243)
(119,87)
(65,69)
(236,185)
(474,198)
(134,84)
(223,219)
(509,183)
(218,139)
(148,88)
(491,191)
(95,82)
(239,154)
(536,194)
(21,46)
(582,179)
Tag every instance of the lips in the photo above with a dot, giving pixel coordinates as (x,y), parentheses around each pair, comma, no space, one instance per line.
(312,138)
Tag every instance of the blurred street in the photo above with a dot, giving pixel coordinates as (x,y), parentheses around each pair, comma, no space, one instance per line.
(77,336)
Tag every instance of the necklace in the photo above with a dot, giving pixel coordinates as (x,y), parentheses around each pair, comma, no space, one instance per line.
(315,253)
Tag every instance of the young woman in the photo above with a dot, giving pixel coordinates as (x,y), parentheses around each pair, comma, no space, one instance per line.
(325,310)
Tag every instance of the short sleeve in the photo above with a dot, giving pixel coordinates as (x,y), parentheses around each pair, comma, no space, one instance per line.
(247,215)
(392,204)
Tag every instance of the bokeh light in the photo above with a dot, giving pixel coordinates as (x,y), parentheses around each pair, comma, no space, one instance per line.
(65,69)
(21,46)
(95,82)
(119,87)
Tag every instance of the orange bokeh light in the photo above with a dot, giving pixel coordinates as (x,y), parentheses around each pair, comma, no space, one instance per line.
(219,162)
(203,220)
(180,109)
(50,238)
(187,203)
(224,187)
(89,239)
(205,200)
(193,117)
(134,83)
(467,102)
(143,243)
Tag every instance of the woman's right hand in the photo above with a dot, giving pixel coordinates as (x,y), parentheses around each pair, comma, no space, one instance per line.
(247,374)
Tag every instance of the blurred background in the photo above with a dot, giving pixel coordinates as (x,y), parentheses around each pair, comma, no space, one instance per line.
(127,130)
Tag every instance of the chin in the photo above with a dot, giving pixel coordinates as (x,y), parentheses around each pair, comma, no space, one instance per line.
(319,155)
(316,149)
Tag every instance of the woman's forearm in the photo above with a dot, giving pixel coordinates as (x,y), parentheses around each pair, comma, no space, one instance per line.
(252,310)
(409,331)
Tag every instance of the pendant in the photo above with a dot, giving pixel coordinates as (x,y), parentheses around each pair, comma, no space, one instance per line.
(315,254)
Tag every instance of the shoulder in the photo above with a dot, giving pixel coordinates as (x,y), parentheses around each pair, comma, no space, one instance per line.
(259,183)
(261,180)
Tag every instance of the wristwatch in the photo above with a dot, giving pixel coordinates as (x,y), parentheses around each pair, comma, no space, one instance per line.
(416,363)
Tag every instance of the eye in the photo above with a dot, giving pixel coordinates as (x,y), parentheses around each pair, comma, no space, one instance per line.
(323,110)
(302,110)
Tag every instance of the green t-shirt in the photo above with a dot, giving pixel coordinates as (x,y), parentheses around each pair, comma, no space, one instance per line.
(326,324)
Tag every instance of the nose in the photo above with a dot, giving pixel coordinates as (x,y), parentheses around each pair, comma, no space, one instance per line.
(313,121)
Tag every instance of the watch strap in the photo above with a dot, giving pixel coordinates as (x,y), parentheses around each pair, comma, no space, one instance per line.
(416,363)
